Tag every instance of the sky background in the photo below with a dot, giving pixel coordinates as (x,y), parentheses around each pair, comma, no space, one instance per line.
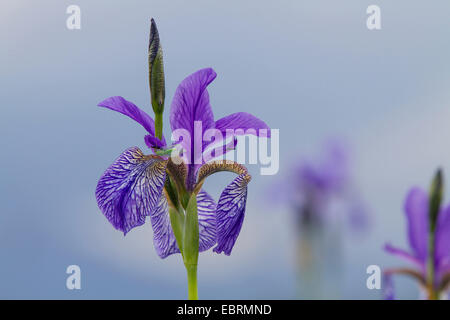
(310,68)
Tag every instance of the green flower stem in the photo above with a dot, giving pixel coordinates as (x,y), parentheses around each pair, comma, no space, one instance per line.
(436,191)
(186,231)
(158,125)
(192,281)
(432,294)
(190,245)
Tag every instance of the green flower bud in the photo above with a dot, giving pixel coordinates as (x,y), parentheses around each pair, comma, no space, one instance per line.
(156,77)
(436,190)
(156,70)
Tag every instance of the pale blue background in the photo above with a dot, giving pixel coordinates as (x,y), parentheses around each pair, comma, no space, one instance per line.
(309,68)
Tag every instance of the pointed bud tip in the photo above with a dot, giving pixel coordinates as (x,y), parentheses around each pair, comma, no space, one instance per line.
(156,70)
(439,173)
(436,192)
(153,43)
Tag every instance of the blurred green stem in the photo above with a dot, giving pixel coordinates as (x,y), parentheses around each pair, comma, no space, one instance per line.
(432,294)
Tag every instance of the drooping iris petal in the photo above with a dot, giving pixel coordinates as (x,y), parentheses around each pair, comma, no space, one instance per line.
(230,213)
(130,188)
(416,208)
(404,255)
(442,253)
(206,208)
(163,236)
(244,121)
(129,109)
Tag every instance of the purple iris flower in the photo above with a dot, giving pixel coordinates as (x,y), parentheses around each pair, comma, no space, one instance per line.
(321,187)
(184,217)
(133,187)
(417,207)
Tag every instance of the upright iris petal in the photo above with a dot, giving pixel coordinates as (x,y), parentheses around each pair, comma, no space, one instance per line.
(130,188)
(416,207)
(191,102)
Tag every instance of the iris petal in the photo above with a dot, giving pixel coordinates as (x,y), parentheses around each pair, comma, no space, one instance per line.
(442,253)
(416,208)
(129,189)
(129,109)
(248,123)
(244,121)
(230,213)
(191,108)
(206,208)
(163,236)
(404,255)
(191,102)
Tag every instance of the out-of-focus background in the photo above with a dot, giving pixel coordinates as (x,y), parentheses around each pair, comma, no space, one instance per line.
(310,68)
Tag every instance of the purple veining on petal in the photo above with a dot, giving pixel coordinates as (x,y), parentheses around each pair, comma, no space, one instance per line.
(129,189)
(416,209)
(206,208)
(163,237)
(230,213)
(191,102)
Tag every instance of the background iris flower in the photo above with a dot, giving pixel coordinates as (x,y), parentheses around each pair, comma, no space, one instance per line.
(323,188)
(428,225)
(321,193)
(185,218)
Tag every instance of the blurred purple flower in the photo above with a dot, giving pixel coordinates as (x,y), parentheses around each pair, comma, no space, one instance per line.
(321,190)
(388,287)
(416,208)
